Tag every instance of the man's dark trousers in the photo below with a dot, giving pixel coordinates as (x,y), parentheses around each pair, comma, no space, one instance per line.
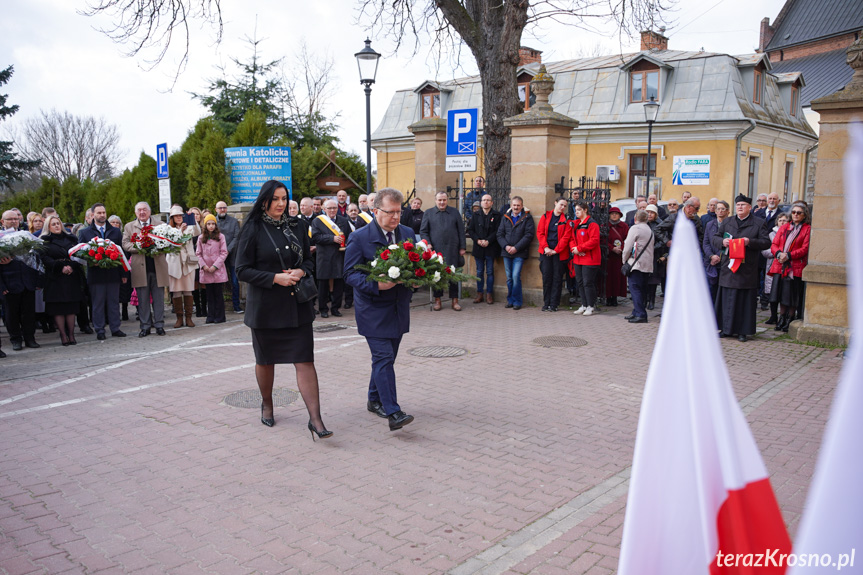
(106,297)
(638,291)
(235,286)
(334,297)
(21,316)
(382,385)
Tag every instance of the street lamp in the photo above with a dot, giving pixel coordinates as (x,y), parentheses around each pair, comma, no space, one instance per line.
(651,109)
(367,61)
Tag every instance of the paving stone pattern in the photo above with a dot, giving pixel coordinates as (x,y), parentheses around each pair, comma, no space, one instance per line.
(121,456)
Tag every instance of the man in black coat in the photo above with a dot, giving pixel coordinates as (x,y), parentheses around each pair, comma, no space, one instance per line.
(329,234)
(514,235)
(768,213)
(18,284)
(104,283)
(482,229)
(355,222)
(443,229)
(230,228)
(737,298)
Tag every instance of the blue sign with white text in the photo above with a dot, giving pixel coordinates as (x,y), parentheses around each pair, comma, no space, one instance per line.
(162,161)
(461,131)
(249,168)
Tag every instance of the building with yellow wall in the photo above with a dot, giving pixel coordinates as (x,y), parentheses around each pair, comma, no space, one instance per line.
(731,111)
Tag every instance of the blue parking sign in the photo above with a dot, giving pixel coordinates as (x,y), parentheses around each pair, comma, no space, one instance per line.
(162,161)
(461,130)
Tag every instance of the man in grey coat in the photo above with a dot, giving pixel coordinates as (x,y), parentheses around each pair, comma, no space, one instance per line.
(230,228)
(443,229)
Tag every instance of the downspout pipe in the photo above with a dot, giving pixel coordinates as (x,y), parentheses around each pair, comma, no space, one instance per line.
(809,151)
(737,156)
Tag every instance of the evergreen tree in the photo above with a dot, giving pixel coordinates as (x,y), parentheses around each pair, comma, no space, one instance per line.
(207,178)
(252,131)
(11,167)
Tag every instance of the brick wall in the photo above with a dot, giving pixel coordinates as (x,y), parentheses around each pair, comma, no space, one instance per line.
(528,56)
(812,48)
(651,40)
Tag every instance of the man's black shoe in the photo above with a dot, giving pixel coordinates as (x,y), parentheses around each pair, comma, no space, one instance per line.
(160,331)
(722,334)
(349,305)
(741,338)
(545,308)
(325,314)
(144,332)
(101,337)
(552,308)
(399,419)
(2,354)
(336,313)
(118,333)
(638,320)
(31,343)
(17,345)
(376,408)
(516,307)
(628,317)
(87,329)
(509,305)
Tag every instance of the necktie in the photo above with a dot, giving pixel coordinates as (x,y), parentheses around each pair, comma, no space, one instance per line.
(102,232)
(390,237)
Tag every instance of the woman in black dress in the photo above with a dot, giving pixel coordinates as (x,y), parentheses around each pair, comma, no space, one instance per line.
(281,326)
(64,291)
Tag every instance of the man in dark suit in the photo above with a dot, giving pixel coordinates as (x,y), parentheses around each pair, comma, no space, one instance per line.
(355,222)
(18,283)
(382,308)
(768,213)
(330,233)
(104,283)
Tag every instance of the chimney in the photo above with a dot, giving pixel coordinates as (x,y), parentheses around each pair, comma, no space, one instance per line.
(528,56)
(766,34)
(651,40)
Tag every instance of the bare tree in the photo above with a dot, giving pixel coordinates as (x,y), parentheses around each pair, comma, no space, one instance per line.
(308,86)
(71,146)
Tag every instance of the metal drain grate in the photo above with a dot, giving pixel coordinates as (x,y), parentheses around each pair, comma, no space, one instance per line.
(560,341)
(437,351)
(251,398)
(325,327)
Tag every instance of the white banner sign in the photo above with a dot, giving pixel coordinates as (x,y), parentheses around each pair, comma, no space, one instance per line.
(460,164)
(165,195)
(691,171)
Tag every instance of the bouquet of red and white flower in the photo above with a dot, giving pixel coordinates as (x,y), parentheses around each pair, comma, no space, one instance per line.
(162,239)
(414,265)
(100,253)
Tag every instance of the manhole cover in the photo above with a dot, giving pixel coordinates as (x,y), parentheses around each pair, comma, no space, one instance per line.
(437,351)
(325,327)
(251,398)
(559,341)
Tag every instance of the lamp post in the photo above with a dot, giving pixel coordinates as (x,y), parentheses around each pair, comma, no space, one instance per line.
(367,60)
(651,109)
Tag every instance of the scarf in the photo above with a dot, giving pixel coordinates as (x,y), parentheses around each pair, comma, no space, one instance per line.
(794,230)
(288,222)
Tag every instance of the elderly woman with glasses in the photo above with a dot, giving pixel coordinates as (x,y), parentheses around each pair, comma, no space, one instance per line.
(791,254)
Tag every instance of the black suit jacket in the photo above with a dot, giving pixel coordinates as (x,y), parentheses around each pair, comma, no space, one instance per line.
(99,275)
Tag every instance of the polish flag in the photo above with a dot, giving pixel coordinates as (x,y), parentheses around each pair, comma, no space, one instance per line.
(832,524)
(699,487)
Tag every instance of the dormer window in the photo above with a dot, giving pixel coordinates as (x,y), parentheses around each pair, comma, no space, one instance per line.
(758,85)
(525,96)
(795,99)
(431,102)
(644,82)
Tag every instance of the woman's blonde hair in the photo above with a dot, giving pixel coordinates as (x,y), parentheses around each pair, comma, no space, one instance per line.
(46,227)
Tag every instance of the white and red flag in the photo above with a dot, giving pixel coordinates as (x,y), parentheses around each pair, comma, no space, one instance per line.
(831,530)
(698,487)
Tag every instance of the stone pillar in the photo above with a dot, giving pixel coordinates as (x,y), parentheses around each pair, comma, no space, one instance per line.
(241,212)
(430,159)
(540,158)
(826,312)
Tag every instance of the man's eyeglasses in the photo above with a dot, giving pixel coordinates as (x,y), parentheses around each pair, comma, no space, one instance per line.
(390,213)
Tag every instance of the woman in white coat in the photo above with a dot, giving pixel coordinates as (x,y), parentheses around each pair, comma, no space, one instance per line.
(181,269)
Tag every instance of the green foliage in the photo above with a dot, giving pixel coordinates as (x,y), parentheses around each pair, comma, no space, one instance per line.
(132,186)
(207,178)
(11,167)
(252,131)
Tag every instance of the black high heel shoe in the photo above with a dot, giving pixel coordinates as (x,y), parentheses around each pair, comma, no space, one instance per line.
(321,434)
(268,422)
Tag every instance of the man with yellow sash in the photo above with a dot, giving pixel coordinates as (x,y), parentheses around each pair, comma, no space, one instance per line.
(330,232)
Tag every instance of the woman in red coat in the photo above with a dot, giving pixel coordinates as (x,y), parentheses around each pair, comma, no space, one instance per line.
(791,254)
(586,256)
(553,235)
(615,282)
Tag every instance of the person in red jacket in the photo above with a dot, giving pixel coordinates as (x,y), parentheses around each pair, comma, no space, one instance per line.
(791,254)
(586,256)
(553,235)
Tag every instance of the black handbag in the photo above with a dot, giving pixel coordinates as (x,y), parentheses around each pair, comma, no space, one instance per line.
(626,268)
(305,290)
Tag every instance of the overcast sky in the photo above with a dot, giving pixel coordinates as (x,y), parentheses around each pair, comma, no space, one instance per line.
(62,61)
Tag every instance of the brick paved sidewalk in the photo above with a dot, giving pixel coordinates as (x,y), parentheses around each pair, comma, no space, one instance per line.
(121,456)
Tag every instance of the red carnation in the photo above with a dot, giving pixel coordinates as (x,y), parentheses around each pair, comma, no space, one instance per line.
(448,270)
(427,255)
(408,246)
(91,253)
(101,250)
(97,257)
(385,255)
(413,256)
(419,272)
(114,256)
